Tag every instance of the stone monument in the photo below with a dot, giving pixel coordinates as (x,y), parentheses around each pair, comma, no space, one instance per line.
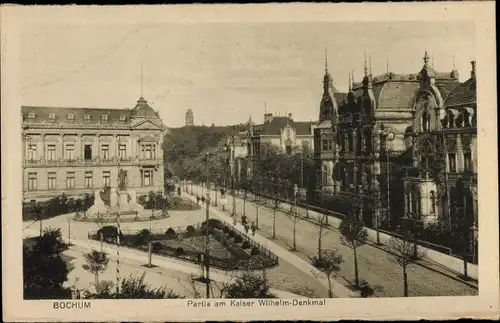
(116,200)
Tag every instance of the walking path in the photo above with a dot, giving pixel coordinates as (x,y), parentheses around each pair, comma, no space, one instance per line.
(375,265)
(338,289)
(139,258)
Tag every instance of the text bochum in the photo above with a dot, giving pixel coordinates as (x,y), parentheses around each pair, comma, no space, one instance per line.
(260,302)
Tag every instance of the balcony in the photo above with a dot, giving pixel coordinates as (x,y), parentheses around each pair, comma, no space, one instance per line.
(91,162)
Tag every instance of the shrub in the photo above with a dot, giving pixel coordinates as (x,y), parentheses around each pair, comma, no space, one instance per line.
(179,251)
(255,251)
(170,233)
(190,230)
(109,232)
(142,237)
(246,245)
(156,246)
(225,229)
(230,234)
(238,239)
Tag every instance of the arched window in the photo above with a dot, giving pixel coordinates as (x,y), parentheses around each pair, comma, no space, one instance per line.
(433,202)
(451,120)
(426,121)
(465,118)
(368,140)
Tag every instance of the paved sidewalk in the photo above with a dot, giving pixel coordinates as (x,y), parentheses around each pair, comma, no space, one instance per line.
(339,290)
(171,264)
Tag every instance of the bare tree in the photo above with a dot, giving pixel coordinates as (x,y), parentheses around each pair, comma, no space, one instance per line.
(353,234)
(329,264)
(402,252)
(322,227)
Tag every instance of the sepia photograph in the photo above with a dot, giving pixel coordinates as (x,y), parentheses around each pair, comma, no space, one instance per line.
(250,165)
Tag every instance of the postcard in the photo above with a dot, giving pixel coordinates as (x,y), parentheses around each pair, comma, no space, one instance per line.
(249,162)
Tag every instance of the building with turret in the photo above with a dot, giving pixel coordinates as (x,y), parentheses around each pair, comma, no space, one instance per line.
(371,132)
(78,150)
(444,151)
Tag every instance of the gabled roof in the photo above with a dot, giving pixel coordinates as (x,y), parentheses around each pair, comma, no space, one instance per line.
(463,94)
(275,126)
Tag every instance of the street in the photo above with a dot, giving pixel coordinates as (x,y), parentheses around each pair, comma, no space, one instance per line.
(374,264)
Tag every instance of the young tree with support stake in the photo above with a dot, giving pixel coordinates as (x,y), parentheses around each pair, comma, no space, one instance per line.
(96,262)
(402,252)
(328,263)
(353,234)
(322,231)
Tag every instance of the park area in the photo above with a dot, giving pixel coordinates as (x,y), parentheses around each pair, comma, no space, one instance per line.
(228,248)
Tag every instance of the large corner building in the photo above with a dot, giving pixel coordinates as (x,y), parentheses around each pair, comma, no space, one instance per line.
(78,150)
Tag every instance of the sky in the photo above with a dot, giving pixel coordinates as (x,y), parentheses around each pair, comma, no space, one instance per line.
(225,72)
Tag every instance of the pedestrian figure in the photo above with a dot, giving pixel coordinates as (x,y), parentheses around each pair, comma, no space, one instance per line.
(203,199)
(254,227)
(246,228)
(197,200)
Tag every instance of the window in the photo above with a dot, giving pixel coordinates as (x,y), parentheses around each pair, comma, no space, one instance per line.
(51,152)
(123,118)
(368,140)
(318,177)
(105,151)
(31,116)
(349,141)
(32,181)
(452,166)
(32,152)
(87,152)
(147,151)
(433,202)
(426,121)
(70,152)
(330,144)
(147,177)
(71,116)
(70,180)
(467,162)
(104,117)
(87,117)
(106,179)
(88,180)
(324,176)
(288,134)
(52,116)
(52,181)
(324,147)
(122,151)
(288,149)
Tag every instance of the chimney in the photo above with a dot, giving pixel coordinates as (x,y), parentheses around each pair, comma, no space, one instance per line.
(473,71)
(268,117)
(290,117)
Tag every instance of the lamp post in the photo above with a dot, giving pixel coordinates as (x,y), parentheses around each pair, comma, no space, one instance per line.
(474,235)
(207,252)
(295,193)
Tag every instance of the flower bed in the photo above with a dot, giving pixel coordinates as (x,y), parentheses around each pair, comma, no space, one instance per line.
(228,250)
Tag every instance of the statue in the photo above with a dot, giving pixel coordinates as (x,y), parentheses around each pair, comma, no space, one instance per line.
(122,180)
(105,195)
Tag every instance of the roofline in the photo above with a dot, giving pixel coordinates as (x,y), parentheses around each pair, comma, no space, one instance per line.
(460,104)
(78,108)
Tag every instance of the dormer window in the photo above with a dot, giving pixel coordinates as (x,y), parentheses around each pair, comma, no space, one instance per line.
(71,116)
(52,116)
(104,117)
(123,118)
(31,115)
(86,117)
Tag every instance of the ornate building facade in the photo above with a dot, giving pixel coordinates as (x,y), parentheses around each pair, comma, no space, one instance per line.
(325,147)
(444,133)
(78,150)
(370,132)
